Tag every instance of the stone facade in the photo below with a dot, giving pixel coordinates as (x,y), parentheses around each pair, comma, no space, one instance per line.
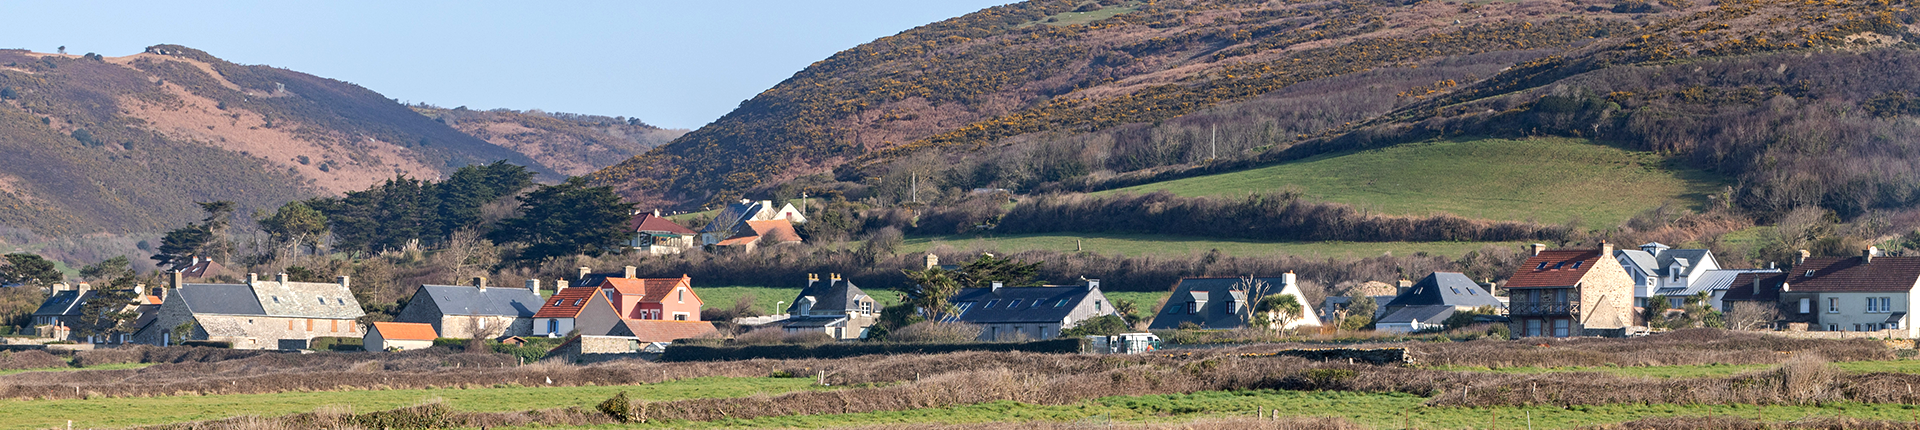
(594,349)
(490,327)
(1606,296)
(259,332)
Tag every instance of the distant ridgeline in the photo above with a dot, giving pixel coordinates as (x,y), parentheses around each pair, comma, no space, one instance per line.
(1802,103)
(129,144)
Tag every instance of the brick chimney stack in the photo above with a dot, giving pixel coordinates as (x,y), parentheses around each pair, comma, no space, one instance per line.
(1537,248)
(1804,255)
(281,278)
(534,284)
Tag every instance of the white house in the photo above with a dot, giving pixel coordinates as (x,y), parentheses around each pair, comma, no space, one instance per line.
(1655,267)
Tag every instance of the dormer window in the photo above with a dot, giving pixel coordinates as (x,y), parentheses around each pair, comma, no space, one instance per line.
(1543,266)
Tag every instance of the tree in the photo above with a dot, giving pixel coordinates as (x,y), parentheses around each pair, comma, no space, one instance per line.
(1656,311)
(983,271)
(1105,325)
(929,290)
(1749,315)
(1359,312)
(29,269)
(108,269)
(1280,309)
(1254,290)
(1127,310)
(570,218)
(295,224)
(109,311)
(182,243)
(63,49)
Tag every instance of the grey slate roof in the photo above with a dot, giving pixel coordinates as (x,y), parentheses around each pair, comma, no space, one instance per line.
(1446,288)
(1215,293)
(1018,304)
(1657,264)
(495,301)
(830,295)
(732,217)
(1712,280)
(1426,314)
(1643,260)
(220,299)
(63,303)
(307,300)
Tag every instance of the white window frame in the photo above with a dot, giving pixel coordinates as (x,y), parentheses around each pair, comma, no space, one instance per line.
(1806,305)
(1833,305)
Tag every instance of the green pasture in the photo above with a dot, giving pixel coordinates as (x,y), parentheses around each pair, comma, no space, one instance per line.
(1135,245)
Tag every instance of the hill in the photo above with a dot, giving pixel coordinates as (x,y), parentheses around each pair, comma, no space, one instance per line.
(1087,96)
(570,144)
(127,144)
(1550,180)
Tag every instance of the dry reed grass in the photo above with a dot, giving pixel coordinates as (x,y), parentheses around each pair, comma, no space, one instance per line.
(30,359)
(1737,423)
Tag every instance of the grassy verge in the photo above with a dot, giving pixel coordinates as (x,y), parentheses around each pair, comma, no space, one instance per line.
(116,366)
(767,299)
(1383,411)
(1547,179)
(123,412)
(1700,371)
(1134,245)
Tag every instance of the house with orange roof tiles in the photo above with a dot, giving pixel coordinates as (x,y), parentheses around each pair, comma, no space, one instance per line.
(585,310)
(1570,292)
(398,336)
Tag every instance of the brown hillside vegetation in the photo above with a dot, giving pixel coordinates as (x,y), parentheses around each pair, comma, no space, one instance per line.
(127,144)
(570,144)
(1007,98)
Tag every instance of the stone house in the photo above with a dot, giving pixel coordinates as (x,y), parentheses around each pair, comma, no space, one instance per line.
(656,235)
(66,303)
(398,336)
(1868,293)
(467,312)
(1221,303)
(834,306)
(1037,313)
(585,310)
(1570,292)
(261,314)
(1657,269)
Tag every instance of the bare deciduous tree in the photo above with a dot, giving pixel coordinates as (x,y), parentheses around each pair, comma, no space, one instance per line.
(1745,315)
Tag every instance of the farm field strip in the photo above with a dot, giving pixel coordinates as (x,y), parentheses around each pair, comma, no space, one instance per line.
(123,412)
(1135,245)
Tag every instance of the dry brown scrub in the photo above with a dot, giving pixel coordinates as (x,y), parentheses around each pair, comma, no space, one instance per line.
(1682,347)
(1737,423)
(435,415)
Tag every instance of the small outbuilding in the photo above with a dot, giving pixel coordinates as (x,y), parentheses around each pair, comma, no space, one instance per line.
(390,336)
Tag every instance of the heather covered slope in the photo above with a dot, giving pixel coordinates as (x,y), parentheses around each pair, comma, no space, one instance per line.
(1796,103)
(570,144)
(128,144)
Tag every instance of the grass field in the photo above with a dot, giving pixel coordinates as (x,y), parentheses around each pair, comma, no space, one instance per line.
(767,299)
(122,412)
(1381,411)
(1135,245)
(1550,180)
(1142,301)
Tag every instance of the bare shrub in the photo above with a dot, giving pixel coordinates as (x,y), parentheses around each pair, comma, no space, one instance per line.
(30,359)
(936,332)
(1289,423)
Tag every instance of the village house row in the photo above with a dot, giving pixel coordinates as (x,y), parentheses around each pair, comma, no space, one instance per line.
(1554,293)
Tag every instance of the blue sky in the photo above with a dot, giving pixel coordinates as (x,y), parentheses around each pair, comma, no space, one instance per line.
(673,64)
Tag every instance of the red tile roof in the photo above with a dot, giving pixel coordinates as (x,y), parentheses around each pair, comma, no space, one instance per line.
(664,330)
(1556,268)
(650,290)
(405,331)
(152,300)
(649,222)
(1855,274)
(201,269)
(567,302)
(781,230)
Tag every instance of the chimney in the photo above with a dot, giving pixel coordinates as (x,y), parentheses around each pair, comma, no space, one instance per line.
(656,213)
(253,278)
(481,282)
(1606,249)
(1405,285)
(162,292)
(1868,254)
(281,278)
(1756,285)
(1093,285)
(534,284)
(812,278)
(630,270)
(83,287)
(1286,280)
(996,286)
(834,276)
(559,284)
(178,278)
(583,272)
(1803,257)
(1537,248)
(345,282)
(933,261)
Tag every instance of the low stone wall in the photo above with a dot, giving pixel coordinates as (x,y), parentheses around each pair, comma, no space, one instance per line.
(1376,356)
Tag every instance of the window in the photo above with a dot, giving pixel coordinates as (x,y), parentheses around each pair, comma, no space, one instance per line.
(1675,302)
(679,317)
(1833,305)
(1886,304)
(323,300)
(1576,264)
(1557,266)
(1856,327)
(1560,328)
(553,326)
(1533,328)
(1062,303)
(1806,305)
(1193,308)
(990,304)
(1456,290)
(1809,273)
(276,299)
(556,302)
(1014,305)
(483,323)
(683,295)
(1099,306)
(1543,266)
(1873,305)
(1037,303)
(577,302)
(1833,327)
